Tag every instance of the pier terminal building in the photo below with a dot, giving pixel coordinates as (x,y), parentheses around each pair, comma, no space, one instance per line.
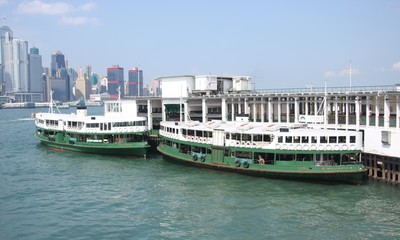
(374,110)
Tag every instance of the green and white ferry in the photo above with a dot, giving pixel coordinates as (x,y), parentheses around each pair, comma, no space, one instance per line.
(293,151)
(118,132)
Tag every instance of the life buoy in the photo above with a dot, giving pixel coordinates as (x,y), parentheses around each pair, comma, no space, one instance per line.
(337,147)
(246,164)
(195,157)
(237,163)
(203,158)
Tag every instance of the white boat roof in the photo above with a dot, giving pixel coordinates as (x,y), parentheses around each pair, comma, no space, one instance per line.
(255,127)
(89,118)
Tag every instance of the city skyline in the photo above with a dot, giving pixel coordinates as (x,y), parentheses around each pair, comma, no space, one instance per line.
(279,44)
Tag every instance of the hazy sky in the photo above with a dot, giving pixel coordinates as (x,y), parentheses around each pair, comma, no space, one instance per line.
(279,43)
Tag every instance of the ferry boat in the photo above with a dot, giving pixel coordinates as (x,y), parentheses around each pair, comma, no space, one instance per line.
(294,151)
(118,132)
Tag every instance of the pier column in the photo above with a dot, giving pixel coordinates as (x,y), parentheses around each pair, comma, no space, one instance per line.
(315,106)
(296,109)
(367,111)
(246,106)
(397,112)
(306,108)
(239,106)
(279,110)
(254,112)
(376,111)
(287,110)
(386,111)
(233,110)
(336,112)
(270,110)
(204,110)
(347,112)
(357,113)
(262,110)
(223,110)
(149,114)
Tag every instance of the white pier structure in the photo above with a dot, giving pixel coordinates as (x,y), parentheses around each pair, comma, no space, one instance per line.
(375,110)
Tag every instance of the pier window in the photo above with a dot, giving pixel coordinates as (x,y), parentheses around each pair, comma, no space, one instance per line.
(342,139)
(332,139)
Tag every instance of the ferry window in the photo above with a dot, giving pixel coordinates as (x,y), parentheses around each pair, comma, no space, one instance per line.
(184,131)
(288,139)
(304,139)
(210,134)
(352,139)
(314,139)
(257,138)
(332,139)
(227,136)
(323,139)
(267,138)
(191,132)
(296,139)
(236,136)
(280,139)
(199,133)
(342,139)
(246,137)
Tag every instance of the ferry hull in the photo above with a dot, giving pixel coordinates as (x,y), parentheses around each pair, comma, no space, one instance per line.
(353,174)
(139,149)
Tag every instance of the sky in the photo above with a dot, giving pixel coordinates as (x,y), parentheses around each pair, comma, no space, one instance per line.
(280,44)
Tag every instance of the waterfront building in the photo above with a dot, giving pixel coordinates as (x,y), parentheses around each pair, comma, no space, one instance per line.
(5,35)
(135,82)
(115,79)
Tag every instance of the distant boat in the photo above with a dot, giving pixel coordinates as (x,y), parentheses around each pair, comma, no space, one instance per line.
(115,133)
(263,149)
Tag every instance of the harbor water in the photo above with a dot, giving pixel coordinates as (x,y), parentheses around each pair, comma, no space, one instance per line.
(50,194)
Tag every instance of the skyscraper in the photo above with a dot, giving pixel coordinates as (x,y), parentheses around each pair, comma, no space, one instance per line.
(16,70)
(115,76)
(35,71)
(135,82)
(5,33)
(57,62)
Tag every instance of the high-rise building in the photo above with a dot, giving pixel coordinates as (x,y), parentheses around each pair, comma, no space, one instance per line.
(135,82)
(16,70)
(5,33)
(82,89)
(57,62)
(115,76)
(35,71)
(155,87)
(20,72)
